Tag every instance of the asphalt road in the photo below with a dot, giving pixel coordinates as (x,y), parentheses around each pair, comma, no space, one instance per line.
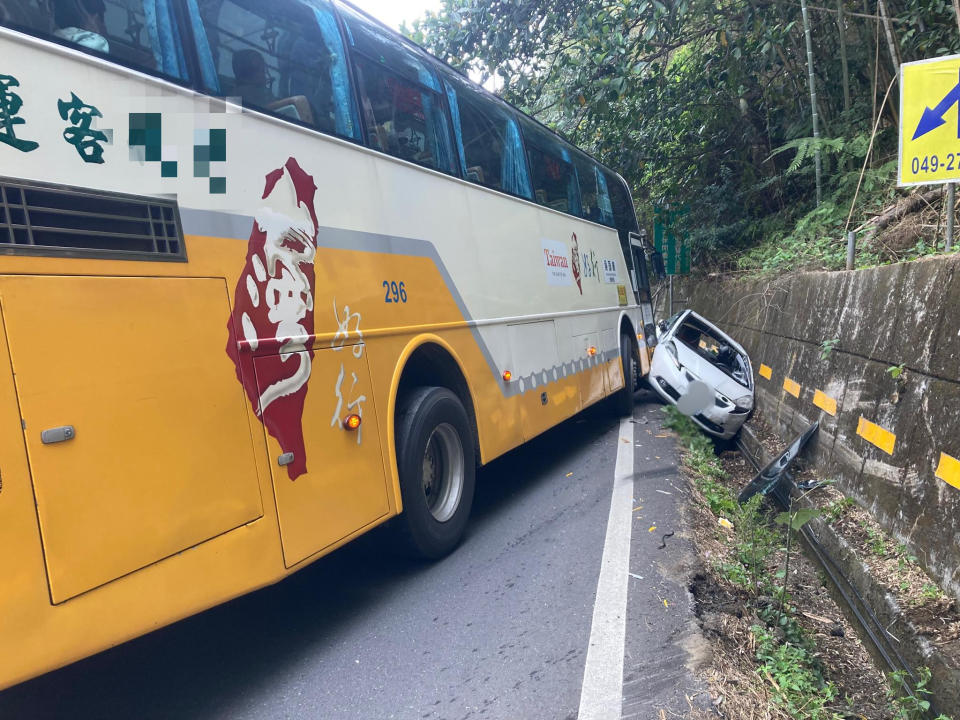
(498,630)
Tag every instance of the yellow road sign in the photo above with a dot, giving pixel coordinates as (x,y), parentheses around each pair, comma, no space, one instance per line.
(929,124)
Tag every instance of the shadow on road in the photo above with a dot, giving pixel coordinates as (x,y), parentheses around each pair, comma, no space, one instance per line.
(196,668)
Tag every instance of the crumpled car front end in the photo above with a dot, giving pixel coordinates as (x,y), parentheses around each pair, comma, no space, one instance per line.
(693,350)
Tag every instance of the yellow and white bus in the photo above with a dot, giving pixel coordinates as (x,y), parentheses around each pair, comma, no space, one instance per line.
(270,275)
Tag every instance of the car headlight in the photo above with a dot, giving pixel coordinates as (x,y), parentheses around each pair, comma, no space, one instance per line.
(745,402)
(672,351)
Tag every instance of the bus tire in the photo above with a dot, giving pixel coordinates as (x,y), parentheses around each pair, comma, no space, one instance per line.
(437,469)
(623,400)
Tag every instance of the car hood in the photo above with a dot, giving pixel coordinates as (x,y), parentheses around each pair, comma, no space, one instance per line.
(704,370)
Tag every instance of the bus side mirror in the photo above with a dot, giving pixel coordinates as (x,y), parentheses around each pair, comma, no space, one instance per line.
(650,333)
(659,269)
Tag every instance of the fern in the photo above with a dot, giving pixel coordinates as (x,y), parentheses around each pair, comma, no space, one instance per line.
(806,147)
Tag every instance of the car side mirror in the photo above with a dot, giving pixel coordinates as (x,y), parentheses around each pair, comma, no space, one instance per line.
(663,326)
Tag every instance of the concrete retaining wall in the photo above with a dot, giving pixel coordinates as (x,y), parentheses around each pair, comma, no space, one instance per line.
(906,314)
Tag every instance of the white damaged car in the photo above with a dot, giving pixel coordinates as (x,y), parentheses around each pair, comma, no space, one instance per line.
(693,352)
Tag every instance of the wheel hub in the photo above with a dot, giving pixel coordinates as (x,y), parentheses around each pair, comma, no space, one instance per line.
(443,472)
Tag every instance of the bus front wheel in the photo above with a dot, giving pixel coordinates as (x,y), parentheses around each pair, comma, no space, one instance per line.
(436,464)
(623,400)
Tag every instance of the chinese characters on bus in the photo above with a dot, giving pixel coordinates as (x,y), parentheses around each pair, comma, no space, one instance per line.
(348,324)
(145,136)
(75,111)
(10,105)
(85,139)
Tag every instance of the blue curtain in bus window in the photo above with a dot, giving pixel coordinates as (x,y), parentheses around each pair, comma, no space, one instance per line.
(573,188)
(167,49)
(439,137)
(514,174)
(603,198)
(208,68)
(437,122)
(457,130)
(345,112)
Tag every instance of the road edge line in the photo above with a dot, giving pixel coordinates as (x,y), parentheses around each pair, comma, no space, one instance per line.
(601,695)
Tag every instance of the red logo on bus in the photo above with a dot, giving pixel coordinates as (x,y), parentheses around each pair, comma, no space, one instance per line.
(273,309)
(576,261)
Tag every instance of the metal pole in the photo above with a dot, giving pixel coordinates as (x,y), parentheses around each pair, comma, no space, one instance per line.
(951,211)
(851,248)
(670,295)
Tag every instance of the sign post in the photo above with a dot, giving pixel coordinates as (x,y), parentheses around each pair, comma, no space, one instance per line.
(930,127)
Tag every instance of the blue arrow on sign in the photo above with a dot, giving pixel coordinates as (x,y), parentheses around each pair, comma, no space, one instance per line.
(933,118)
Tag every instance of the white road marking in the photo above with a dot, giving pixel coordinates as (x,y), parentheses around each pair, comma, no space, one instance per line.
(601,697)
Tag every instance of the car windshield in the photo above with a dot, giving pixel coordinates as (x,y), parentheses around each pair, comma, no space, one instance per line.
(716,348)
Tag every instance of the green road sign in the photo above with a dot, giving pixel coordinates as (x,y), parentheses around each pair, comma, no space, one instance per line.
(670,242)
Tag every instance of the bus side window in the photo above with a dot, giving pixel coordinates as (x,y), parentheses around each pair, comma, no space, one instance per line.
(624,214)
(594,196)
(284,57)
(404,119)
(400,95)
(551,170)
(138,33)
(604,205)
(489,141)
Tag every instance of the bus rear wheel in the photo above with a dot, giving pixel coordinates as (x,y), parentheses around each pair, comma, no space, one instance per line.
(623,400)
(435,461)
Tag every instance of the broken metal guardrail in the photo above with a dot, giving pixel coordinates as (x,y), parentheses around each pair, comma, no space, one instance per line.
(768,479)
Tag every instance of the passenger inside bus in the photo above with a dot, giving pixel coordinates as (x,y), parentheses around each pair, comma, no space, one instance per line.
(252,83)
(81,22)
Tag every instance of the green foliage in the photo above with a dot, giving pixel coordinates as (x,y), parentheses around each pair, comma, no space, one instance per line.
(836,509)
(806,148)
(904,557)
(737,574)
(798,685)
(786,653)
(705,104)
(702,460)
(876,540)
(897,371)
(910,701)
(797,518)
(827,346)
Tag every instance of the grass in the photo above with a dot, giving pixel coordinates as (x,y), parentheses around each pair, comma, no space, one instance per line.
(837,509)
(702,461)
(786,654)
(876,540)
(798,685)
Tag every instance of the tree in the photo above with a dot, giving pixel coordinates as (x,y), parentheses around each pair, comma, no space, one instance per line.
(691,100)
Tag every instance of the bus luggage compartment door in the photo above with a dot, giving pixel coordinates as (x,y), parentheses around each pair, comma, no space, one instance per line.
(148,448)
(333,484)
(548,396)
